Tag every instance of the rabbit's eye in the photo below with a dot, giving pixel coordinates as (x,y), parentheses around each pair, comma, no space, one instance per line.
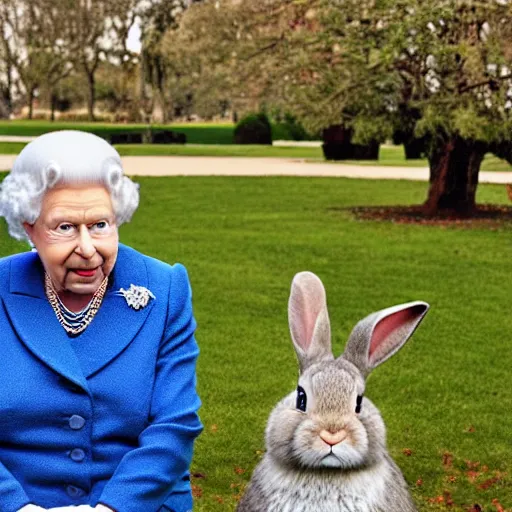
(302,399)
(359,403)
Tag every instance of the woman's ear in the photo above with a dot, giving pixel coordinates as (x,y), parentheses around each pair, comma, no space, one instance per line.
(29,228)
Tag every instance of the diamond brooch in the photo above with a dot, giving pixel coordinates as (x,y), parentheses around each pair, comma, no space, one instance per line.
(137,297)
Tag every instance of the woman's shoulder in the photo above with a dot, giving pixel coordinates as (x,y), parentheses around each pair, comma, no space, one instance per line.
(156,268)
(19,259)
(22,263)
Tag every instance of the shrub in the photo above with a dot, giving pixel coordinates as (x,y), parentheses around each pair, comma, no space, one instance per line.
(415,147)
(253,129)
(125,138)
(149,136)
(295,128)
(338,145)
(167,137)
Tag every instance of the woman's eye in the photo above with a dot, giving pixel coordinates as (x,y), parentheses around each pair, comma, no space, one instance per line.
(65,228)
(359,403)
(100,226)
(302,399)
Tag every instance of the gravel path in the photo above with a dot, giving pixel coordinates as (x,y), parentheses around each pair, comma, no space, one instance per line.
(240,166)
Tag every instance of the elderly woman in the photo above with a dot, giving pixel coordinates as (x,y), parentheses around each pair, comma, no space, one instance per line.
(98,407)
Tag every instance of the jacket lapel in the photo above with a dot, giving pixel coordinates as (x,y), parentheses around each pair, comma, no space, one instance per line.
(110,332)
(34,320)
(116,324)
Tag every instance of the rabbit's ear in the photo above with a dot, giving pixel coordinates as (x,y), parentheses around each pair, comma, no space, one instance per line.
(309,321)
(381,334)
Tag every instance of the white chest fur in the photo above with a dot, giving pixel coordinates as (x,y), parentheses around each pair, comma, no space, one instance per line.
(325,491)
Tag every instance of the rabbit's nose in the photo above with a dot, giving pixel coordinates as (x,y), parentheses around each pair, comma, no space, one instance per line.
(333,438)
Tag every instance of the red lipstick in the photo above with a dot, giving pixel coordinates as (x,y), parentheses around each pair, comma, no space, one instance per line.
(86,272)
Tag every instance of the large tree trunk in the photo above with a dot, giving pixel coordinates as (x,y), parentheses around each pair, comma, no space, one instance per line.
(91,96)
(454,166)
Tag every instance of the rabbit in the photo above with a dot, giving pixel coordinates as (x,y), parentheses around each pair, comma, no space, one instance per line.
(326,442)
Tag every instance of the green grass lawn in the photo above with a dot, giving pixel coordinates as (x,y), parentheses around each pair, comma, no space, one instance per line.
(389,155)
(203,133)
(446,397)
(231,150)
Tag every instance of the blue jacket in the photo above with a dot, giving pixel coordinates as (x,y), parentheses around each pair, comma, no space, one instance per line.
(108,416)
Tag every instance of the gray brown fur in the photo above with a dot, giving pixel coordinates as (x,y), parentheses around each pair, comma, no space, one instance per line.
(302,473)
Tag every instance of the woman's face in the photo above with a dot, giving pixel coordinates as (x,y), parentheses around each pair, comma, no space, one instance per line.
(76,237)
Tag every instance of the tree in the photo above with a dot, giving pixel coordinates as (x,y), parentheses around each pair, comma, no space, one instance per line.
(58,64)
(197,74)
(158,18)
(36,47)
(99,29)
(6,79)
(444,65)
(25,50)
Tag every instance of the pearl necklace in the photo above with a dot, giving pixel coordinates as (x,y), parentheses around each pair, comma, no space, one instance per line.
(74,323)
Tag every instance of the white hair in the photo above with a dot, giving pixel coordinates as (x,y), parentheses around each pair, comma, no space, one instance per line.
(63,157)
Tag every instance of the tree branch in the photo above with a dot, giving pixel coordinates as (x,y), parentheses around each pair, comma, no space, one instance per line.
(484,82)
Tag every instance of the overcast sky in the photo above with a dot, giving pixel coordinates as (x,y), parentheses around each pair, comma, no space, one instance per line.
(133,42)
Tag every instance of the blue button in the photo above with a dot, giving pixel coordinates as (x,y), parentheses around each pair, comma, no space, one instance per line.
(77,455)
(74,492)
(76,422)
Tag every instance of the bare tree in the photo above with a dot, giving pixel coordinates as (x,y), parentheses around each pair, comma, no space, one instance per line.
(35,46)
(99,30)
(6,77)
(21,45)
(158,18)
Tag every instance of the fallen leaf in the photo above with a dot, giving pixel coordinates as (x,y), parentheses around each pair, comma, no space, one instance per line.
(472,475)
(448,499)
(472,465)
(407,452)
(447,459)
(239,470)
(498,506)
(197,492)
(488,483)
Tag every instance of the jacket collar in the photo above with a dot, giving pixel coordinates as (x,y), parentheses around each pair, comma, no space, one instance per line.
(27,275)
(110,332)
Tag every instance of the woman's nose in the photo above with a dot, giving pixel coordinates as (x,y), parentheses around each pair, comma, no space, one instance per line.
(85,245)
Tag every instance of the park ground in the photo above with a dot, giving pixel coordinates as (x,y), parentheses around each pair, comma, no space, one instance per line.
(444,397)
